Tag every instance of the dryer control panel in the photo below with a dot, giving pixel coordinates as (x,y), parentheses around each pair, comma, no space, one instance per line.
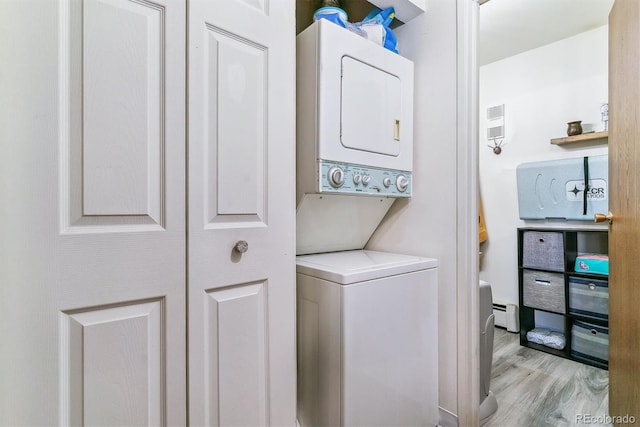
(348,178)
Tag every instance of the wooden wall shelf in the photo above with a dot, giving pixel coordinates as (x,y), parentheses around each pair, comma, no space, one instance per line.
(595,136)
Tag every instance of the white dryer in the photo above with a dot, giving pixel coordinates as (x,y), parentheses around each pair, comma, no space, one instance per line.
(354,137)
(367,339)
(354,115)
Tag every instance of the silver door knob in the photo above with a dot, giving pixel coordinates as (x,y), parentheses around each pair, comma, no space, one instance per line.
(241,246)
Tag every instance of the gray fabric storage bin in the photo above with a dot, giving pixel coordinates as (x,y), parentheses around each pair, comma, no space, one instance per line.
(589,296)
(543,290)
(543,249)
(589,340)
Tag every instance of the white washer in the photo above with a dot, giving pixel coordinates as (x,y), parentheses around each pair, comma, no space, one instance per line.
(367,339)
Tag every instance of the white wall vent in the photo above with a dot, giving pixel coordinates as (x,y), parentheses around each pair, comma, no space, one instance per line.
(495,132)
(495,112)
(495,122)
(506,316)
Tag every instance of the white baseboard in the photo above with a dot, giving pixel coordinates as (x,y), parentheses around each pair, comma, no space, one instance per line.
(447,419)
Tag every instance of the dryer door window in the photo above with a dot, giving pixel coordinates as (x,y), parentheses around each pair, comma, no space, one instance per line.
(370,116)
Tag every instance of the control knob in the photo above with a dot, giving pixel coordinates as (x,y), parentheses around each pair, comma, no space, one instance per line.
(387,182)
(357,179)
(402,183)
(336,177)
(366,179)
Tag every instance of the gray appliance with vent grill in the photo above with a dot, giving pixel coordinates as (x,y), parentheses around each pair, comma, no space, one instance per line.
(555,189)
(488,402)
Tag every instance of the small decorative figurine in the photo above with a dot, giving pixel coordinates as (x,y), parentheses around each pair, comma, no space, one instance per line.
(604,114)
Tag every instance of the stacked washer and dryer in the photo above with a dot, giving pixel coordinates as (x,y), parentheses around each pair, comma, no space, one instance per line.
(367,320)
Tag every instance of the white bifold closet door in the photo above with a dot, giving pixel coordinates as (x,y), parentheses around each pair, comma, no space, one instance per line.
(92,217)
(95,273)
(241,189)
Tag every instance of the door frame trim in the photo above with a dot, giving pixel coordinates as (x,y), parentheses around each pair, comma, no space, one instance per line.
(468,377)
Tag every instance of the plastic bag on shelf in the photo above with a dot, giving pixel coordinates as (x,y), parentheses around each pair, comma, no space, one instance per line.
(374,27)
(377,25)
(338,17)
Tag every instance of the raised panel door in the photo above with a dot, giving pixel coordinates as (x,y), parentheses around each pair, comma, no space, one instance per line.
(92,264)
(242,367)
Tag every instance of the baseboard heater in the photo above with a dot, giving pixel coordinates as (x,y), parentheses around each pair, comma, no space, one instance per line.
(506,316)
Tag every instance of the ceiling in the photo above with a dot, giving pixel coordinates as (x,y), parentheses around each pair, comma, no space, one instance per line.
(510,27)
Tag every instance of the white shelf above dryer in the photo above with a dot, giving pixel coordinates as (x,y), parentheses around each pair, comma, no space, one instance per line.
(406,10)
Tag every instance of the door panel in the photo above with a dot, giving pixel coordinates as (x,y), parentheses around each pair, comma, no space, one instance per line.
(122,83)
(624,232)
(92,254)
(236,325)
(113,113)
(236,112)
(115,363)
(241,187)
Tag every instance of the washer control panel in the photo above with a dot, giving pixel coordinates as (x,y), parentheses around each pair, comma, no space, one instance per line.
(348,178)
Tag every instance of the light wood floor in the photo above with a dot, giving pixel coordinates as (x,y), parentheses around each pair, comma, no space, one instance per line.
(534,388)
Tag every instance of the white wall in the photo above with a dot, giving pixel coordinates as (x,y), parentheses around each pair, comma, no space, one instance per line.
(425,225)
(542,90)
